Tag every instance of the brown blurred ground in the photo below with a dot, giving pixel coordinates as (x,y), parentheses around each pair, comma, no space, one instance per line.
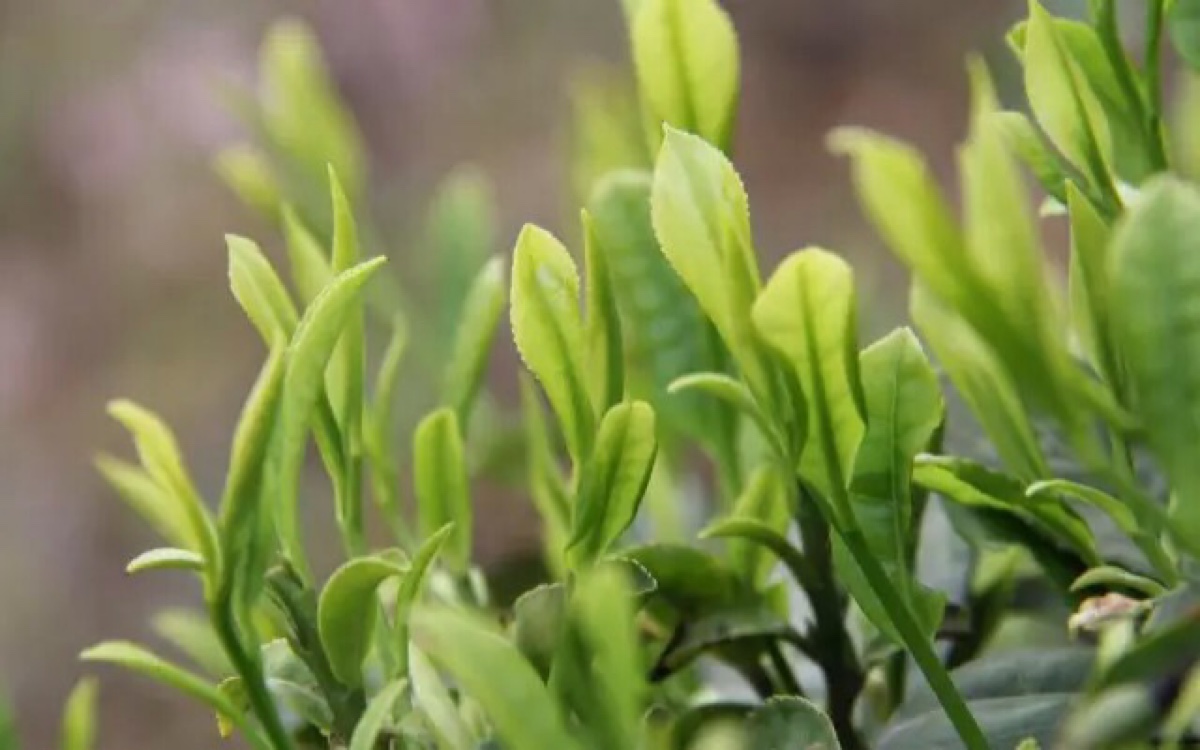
(112,267)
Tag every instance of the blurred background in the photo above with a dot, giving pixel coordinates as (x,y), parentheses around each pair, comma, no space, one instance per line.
(113,266)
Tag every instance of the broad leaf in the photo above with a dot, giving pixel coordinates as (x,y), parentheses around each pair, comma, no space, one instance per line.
(1154,271)
(1014,696)
(791,722)
(808,313)
(548,330)
(519,704)
(441,484)
(701,217)
(347,612)
(614,480)
(686,56)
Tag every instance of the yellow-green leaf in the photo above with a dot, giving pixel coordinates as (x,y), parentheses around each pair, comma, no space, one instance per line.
(346,613)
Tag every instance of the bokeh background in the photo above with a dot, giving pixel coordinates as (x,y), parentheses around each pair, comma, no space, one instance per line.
(112,263)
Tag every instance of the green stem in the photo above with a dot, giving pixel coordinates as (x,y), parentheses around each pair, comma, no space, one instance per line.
(1154,27)
(783,671)
(916,643)
(249,669)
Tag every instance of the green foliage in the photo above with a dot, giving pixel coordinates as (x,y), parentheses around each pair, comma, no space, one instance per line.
(836,476)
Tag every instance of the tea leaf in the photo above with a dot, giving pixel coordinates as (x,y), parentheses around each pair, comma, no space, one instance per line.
(1154,277)
(245,511)
(1090,305)
(614,480)
(161,458)
(1109,577)
(602,331)
(548,330)
(539,618)
(687,578)
(1062,99)
(347,610)
(377,716)
(308,356)
(139,660)
(480,314)
(166,558)
(791,722)
(258,289)
(1022,138)
(546,484)
(310,266)
(982,382)
(79,717)
(604,618)
(1184,27)
(247,172)
(193,635)
(147,498)
(1119,512)
(520,706)
(379,436)
(702,220)
(301,110)
(442,486)
(436,704)
(685,53)
(765,502)
(409,592)
(763,535)
(733,393)
(807,313)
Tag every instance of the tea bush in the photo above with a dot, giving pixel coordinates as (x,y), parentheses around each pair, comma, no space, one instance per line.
(831,459)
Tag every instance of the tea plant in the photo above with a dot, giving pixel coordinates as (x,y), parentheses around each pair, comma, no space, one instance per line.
(828,455)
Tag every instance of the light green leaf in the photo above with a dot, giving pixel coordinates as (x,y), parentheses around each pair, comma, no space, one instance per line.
(732,392)
(685,53)
(1109,577)
(790,722)
(766,500)
(259,290)
(302,112)
(972,484)
(1154,272)
(308,357)
(79,716)
(491,671)
(137,659)
(982,382)
(1090,305)
(347,610)
(1022,138)
(152,502)
(245,171)
(602,328)
(701,217)
(1062,99)
(547,486)
(379,438)
(245,508)
(807,312)
(603,616)
(436,704)
(163,462)
(614,480)
(377,716)
(411,586)
(441,484)
(480,314)
(166,558)
(193,635)
(760,533)
(548,330)
(1118,511)
(309,265)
